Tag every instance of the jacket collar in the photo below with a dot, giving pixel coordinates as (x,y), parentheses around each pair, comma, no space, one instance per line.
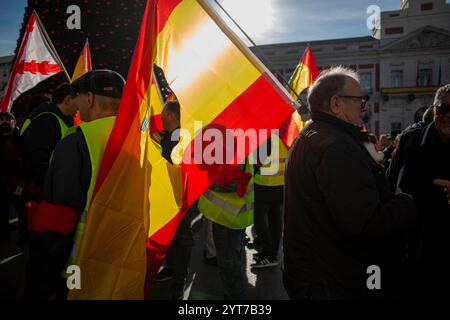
(349,128)
(430,135)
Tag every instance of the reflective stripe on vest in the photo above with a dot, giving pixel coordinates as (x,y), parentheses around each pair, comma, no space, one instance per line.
(62,125)
(228,209)
(25,125)
(96,134)
(268,176)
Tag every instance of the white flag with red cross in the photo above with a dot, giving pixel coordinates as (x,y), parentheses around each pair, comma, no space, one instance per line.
(35,62)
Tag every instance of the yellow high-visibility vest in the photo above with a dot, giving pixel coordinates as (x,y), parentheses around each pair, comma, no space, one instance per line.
(228,209)
(96,134)
(62,124)
(272,173)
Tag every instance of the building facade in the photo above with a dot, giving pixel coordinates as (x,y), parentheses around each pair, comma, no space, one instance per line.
(400,66)
(5,66)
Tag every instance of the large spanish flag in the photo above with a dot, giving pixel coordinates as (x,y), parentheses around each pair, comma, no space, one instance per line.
(139,197)
(304,75)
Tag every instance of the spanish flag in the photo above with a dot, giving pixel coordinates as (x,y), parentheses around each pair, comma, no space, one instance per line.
(304,75)
(84,64)
(139,197)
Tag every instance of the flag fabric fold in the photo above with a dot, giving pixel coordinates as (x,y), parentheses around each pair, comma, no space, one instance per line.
(139,196)
(36,61)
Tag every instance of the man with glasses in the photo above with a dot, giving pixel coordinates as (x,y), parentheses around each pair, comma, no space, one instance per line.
(341,220)
(423,156)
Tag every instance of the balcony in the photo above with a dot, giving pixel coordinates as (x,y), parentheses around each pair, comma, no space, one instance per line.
(408,90)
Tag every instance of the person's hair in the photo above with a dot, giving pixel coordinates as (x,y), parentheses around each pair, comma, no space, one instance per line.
(34,102)
(173,107)
(61,92)
(329,83)
(373,138)
(427,116)
(395,133)
(440,93)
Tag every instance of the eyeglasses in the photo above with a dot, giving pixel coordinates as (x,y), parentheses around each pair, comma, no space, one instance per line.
(442,109)
(363,99)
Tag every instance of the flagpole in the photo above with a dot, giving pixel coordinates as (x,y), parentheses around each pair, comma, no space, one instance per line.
(262,54)
(49,41)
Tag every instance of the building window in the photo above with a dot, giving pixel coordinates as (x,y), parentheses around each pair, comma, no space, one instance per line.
(395,30)
(396,78)
(366,81)
(396,126)
(425,77)
(426,6)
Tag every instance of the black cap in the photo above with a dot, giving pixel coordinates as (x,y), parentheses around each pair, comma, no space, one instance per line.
(103,82)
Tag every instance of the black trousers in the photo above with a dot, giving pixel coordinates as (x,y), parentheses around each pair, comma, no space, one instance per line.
(268,220)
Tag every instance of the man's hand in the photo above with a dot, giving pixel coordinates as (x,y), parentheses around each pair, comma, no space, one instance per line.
(445,184)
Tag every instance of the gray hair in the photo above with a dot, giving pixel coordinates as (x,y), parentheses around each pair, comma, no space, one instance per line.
(329,83)
(440,93)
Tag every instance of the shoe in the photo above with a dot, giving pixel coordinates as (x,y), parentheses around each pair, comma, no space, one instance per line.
(264,262)
(164,274)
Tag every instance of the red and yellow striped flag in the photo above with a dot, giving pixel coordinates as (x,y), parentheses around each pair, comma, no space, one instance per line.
(139,196)
(304,75)
(84,64)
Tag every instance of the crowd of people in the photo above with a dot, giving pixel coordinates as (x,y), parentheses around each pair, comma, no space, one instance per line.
(351,201)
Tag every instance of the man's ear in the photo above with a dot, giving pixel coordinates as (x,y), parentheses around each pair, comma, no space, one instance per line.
(90,98)
(334,105)
(432,109)
(67,99)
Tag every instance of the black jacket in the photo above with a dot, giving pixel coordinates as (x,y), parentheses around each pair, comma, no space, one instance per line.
(422,157)
(10,163)
(340,216)
(39,141)
(66,184)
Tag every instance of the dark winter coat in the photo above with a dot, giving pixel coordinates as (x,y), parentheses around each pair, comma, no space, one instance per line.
(340,216)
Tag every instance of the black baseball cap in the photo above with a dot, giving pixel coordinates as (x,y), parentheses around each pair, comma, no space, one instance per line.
(102,82)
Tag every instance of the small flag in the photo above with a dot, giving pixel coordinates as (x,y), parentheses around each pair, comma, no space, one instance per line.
(84,64)
(303,76)
(35,62)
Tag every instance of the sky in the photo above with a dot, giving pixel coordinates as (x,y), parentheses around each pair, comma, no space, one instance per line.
(265,21)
